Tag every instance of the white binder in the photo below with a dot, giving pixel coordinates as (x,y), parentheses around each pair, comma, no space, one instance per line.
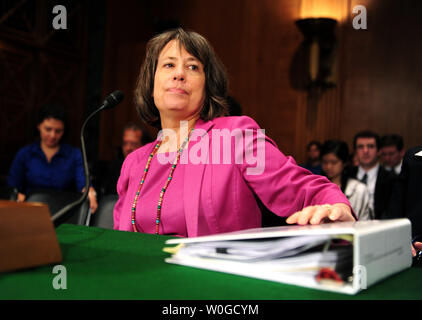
(380,248)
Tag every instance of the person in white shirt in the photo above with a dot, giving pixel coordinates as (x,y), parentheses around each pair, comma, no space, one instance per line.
(378,180)
(392,152)
(335,155)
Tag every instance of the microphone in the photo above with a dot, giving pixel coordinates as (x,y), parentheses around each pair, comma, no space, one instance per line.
(112,100)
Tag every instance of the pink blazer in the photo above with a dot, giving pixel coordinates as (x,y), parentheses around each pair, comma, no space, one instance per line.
(221,197)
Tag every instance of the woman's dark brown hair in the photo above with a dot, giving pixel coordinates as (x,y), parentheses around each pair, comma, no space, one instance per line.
(215,104)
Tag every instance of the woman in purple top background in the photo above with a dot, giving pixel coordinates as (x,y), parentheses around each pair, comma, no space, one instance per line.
(204,172)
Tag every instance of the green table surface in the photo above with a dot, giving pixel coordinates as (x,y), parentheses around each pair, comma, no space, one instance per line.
(109,264)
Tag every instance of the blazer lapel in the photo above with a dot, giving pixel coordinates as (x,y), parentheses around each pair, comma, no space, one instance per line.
(193,178)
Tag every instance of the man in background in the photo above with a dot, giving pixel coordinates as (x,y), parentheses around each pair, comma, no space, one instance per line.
(369,171)
(133,137)
(406,199)
(392,152)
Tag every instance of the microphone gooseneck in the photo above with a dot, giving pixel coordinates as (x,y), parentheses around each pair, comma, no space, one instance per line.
(110,102)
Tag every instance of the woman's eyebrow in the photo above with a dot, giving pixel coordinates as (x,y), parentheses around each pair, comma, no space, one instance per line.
(191,58)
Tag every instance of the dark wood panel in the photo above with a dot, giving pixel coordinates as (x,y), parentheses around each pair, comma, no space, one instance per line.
(39,65)
(254,39)
(128,60)
(379,69)
(382,74)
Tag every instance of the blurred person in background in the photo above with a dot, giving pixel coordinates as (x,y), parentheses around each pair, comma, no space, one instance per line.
(49,163)
(313,157)
(392,152)
(133,137)
(369,171)
(335,156)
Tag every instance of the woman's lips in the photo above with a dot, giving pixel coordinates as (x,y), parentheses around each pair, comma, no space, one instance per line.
(177,90)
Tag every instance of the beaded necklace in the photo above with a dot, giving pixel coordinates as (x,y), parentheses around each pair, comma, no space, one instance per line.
(163,190)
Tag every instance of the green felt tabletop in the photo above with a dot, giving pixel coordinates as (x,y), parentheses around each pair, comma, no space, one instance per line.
(109,264)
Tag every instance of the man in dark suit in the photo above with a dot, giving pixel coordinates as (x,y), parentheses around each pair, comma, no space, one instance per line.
(378,180)
(392,152)
(406,199)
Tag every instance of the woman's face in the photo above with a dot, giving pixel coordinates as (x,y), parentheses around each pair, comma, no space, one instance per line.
(51,132)
(179,83)
(332,166)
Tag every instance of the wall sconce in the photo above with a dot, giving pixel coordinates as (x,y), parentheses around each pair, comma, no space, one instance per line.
(320,46)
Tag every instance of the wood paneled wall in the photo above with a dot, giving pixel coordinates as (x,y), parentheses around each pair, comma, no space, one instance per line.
(255,40)
(379,68)
(382,72)
(39,65)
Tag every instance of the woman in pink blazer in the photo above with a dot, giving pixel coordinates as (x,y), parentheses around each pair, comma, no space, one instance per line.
(205,171)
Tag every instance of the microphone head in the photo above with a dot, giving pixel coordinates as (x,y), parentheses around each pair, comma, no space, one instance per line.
(113,99)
